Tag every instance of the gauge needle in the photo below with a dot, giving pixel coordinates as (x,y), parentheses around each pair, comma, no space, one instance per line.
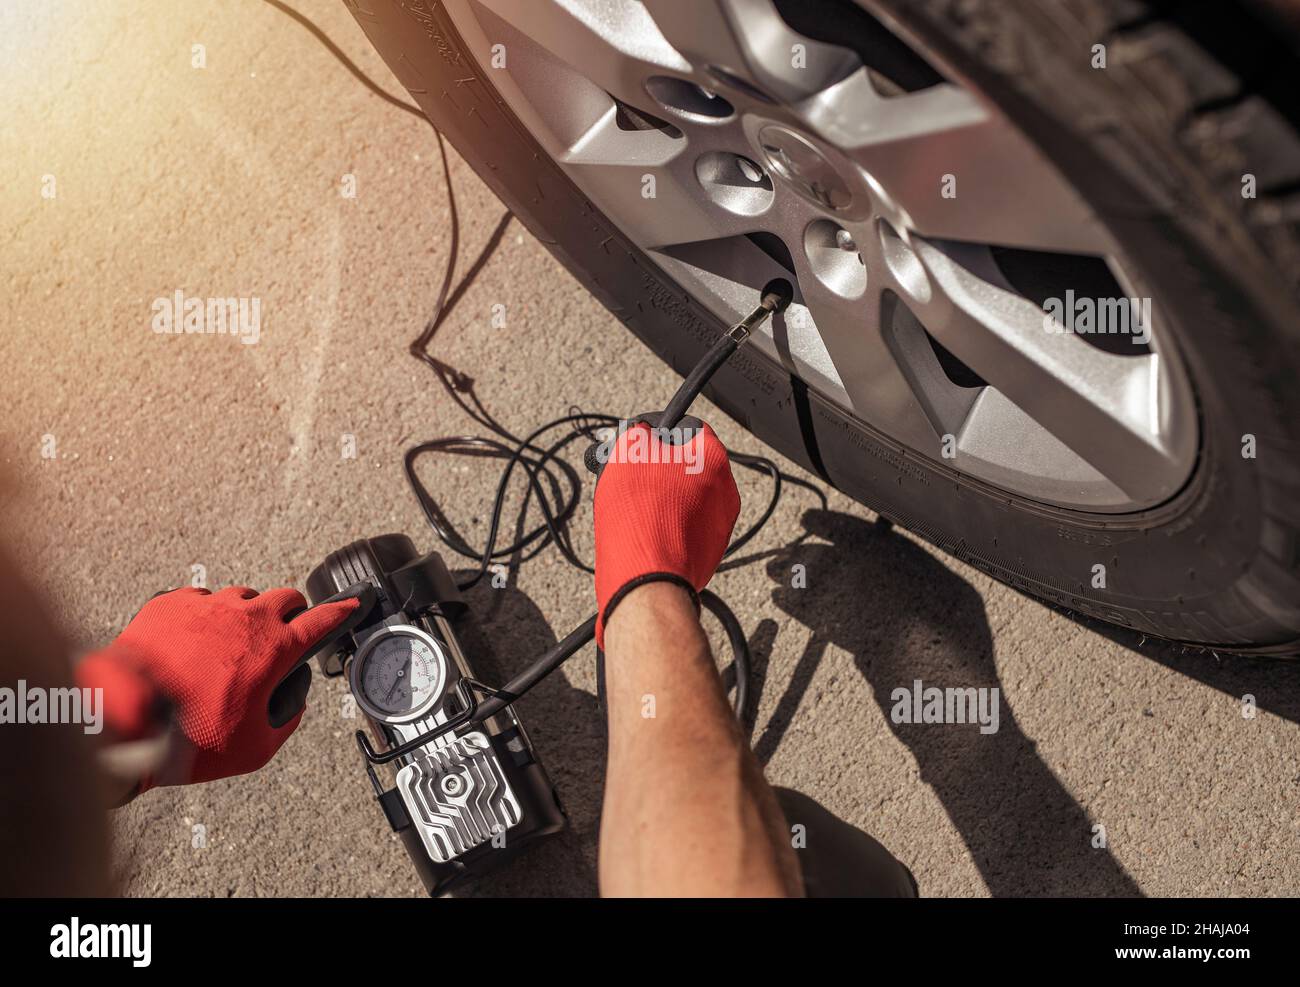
(396,682)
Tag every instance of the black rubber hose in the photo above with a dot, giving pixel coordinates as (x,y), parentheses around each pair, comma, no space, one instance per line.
(578,638)
(690,389)
(776,296)
(739,647)
(562,650)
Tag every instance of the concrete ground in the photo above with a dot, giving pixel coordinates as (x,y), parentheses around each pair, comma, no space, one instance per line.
(171,452)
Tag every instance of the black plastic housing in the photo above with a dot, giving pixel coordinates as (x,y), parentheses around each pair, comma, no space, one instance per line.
(418,589)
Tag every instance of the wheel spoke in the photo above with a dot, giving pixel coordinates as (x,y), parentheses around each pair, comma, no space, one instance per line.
(616,46)
(731,270)
(955,170)
(614,166)
(752,45)
(868,375)
(1107,408)
(1015,451)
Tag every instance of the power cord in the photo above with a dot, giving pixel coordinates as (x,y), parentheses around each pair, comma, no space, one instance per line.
(552,481)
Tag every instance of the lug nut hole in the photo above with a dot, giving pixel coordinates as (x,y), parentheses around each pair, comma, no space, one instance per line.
(688,99)
(834,258)
(734,183)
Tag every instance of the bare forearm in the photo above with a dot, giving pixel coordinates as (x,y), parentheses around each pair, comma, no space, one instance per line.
(687,811)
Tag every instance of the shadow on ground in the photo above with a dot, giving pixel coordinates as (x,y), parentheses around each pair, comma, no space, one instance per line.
(505,632)
(903,615)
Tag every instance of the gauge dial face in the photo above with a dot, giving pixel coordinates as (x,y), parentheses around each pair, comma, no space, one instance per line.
(401,674)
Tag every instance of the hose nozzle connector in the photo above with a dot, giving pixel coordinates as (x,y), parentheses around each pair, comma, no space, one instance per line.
(776,296)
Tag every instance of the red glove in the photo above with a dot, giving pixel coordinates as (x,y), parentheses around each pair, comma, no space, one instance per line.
(216,657)
(662,512)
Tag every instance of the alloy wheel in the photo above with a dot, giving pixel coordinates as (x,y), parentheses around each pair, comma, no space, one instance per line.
(938,257)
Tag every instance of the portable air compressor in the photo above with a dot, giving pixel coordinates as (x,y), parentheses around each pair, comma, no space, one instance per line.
(467,793)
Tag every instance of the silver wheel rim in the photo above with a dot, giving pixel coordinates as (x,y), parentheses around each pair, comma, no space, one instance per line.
(953,290)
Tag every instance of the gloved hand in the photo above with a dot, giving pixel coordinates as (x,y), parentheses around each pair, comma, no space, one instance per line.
(662,512)
(215,657)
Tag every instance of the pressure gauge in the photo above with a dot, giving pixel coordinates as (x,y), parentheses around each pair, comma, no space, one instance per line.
(399,674)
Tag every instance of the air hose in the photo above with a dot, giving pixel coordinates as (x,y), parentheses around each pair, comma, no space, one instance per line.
(551,480)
